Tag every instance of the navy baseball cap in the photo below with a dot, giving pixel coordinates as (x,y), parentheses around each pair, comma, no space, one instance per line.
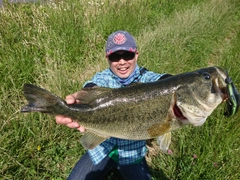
(120,40)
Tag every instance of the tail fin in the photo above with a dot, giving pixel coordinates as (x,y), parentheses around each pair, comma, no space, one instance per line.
(40,100)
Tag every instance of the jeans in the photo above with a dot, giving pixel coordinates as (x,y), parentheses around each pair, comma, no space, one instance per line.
(86,170)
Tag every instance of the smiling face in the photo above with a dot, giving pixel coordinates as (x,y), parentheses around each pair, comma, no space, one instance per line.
(122,63)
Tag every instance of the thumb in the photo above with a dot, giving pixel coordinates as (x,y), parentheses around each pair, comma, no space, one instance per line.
(70,99)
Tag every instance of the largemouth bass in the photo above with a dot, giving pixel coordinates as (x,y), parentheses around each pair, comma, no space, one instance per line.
(138,112)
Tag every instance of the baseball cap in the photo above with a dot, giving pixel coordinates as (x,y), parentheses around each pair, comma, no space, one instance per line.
(120,40)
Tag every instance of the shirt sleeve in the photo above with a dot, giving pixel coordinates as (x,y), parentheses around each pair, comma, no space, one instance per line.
(150,76)
(99,79)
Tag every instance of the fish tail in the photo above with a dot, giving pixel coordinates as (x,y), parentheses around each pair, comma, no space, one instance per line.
(40,100)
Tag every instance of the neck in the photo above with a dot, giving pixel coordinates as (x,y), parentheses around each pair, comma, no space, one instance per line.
(129,79)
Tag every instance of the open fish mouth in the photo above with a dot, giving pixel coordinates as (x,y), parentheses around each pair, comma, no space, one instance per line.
(221,90)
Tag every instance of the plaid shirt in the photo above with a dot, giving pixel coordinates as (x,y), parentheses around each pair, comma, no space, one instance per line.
(129,151)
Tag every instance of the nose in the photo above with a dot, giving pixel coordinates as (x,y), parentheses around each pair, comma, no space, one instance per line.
(121,61)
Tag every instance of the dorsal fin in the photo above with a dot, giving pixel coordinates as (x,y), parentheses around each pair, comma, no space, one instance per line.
(89,94)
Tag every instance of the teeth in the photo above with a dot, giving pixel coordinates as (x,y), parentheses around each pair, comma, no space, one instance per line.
(123,69)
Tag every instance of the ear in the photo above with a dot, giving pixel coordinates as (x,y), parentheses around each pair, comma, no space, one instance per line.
(136,55)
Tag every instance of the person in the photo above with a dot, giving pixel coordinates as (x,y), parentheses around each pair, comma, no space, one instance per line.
(127,156)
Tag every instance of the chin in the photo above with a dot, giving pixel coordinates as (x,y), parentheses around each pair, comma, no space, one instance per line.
(123,76)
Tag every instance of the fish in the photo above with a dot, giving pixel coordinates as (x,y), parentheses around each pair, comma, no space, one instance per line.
(140,111)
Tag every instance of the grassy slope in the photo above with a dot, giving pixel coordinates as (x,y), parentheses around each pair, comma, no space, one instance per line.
(61,45)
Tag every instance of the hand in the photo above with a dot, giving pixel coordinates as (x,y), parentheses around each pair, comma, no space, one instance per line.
(70,99)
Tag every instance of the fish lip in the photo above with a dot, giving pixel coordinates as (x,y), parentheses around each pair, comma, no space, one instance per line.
(221,86)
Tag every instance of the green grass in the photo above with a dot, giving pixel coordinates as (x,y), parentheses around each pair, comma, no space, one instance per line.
(60,44)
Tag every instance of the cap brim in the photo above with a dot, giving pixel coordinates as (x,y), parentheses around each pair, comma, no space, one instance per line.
(131,49)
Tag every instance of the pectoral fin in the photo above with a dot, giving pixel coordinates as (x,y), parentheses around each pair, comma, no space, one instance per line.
(164,141)
(90,140)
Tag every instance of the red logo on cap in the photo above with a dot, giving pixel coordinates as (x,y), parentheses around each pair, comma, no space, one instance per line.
(119,38)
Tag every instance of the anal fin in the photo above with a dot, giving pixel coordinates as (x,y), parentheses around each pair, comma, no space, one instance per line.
(90,140)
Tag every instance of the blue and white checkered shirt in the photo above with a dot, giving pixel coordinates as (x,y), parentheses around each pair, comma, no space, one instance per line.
(129,151)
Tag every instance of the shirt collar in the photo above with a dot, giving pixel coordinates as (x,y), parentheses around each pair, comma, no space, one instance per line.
(132,78)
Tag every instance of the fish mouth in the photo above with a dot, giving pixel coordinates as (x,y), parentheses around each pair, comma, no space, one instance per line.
(219,84)
(220,89)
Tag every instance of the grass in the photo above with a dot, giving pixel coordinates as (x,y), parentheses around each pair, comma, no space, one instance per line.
(60,44)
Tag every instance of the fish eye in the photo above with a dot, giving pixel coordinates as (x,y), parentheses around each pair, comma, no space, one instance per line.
(206,76)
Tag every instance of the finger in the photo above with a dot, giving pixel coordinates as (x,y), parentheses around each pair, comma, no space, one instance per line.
(73,125)
(63,120)
(81,129)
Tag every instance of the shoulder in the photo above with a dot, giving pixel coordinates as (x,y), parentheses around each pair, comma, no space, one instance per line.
(106,72)
(104,78)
